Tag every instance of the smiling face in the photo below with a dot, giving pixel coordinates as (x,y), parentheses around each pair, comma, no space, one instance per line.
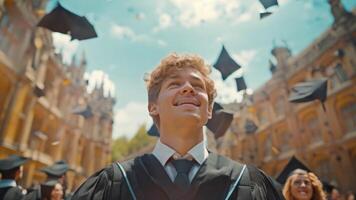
(57,192)
(182,98)
(301,187)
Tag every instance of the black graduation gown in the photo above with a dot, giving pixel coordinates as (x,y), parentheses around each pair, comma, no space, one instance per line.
(10,193)
(151,182)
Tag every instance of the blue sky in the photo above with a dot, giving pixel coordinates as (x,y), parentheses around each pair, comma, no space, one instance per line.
(134,35)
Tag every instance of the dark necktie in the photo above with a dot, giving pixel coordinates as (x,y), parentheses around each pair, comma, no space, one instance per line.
(182,167)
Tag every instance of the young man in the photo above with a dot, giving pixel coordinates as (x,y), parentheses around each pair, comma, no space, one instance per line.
(11,172)
(180,101)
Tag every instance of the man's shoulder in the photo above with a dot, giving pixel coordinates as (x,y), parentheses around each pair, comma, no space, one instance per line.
(224,161)
(127,166)
(261,184)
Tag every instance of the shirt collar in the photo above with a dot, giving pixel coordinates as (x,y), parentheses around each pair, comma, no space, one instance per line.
(164,152)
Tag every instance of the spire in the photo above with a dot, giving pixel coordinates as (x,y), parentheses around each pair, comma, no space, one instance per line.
(83,60)
(338,10)
(74,60)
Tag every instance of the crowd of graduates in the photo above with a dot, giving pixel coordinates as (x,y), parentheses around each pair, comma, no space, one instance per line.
(53,188)
(299,182)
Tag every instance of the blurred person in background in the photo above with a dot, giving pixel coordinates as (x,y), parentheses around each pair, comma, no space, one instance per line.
(51,190)
(350,195)
(11,173)
(303,185)
(335,194)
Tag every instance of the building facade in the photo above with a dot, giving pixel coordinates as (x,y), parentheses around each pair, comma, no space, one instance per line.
(324,140)
(46,112)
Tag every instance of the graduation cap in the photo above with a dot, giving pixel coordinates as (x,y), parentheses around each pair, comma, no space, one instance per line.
(153,131)
(56,170)
(309,91)
(12,162)
(240,83)
(269,3)
(265,14)
(86,112)
(287,171)
(250,126)
(64,21)
(225,64)
(327,187)
(220,121)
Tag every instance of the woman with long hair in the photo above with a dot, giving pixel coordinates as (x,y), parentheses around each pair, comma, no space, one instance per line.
(303,185)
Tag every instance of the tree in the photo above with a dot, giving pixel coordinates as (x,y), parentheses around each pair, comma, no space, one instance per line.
(123,147)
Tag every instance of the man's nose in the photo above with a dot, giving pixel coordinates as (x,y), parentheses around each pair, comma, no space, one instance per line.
(187,88)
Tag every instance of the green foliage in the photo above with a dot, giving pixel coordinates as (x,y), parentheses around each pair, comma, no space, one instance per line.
(123,147)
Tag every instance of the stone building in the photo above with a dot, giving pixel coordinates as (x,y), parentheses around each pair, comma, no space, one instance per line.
(46,112)
(324,140)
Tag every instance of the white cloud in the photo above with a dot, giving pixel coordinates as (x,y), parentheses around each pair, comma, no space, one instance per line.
(161,43)
(64,45)
(220,39)
(244,57)
(191,13)
(128,119)
(250,13)
(122,32)
(98,77)
(165,20)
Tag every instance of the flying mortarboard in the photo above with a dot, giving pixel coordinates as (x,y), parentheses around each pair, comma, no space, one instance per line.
(58,169)
(225,64)
(12,162)
(64,21)
(265,14)
(292,165)
(240,83)
(153,131)
(309,91)
(269,3)
(86,112)
(328,187)
(220,121)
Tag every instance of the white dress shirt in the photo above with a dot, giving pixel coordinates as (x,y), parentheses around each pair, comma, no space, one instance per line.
(163,153)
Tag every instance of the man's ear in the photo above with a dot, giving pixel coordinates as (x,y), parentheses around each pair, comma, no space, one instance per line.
(210,111)
(152,109)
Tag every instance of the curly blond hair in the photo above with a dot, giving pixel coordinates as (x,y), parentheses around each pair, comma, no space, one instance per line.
(318,193)
(173,63)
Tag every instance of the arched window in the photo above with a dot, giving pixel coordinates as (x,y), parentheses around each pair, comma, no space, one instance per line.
(348,114)
(279,106)
(268,146)
(313,128)
(262,116)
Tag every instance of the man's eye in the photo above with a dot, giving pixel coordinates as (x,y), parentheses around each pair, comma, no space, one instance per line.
(173,84)
(199,86)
